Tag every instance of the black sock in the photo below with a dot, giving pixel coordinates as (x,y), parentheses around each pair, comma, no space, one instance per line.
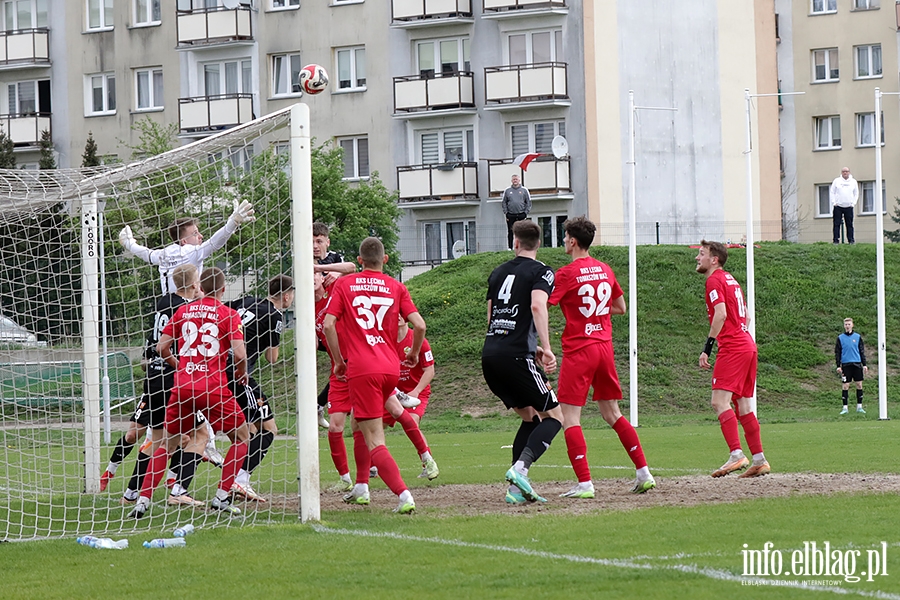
(845,395)
(175,463)
(122,449)
(859,397)
(257,449)
(540,440)
(525,429)
(323,395)
(187,468)
(140,469)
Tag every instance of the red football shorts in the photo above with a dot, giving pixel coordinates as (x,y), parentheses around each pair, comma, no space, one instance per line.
(338,396)
(593,365)
(390,421)
(219,406)
(369,392)
(735,371)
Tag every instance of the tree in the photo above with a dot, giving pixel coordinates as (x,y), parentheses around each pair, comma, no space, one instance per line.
(7,158)
(894,236)
(48,160)
(90,158)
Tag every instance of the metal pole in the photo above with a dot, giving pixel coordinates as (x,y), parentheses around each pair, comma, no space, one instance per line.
(879,262)
(751,271)
(632,273)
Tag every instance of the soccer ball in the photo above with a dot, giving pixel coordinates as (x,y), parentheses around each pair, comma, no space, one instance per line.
(313,79)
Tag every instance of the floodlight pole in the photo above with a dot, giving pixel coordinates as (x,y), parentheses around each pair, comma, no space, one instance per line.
(632,263)
(879,260)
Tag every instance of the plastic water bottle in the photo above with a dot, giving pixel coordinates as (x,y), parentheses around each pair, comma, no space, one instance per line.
(183,531)
(165,543)
(86,540)
(109,544)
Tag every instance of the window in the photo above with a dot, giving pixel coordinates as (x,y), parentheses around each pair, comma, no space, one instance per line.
(22,97)
(24,14)
(868,61)
(351,67)
(238,77)
(823,200)
(232,163)
(99,14)
(865,129)
(146,12)
(535,47)
(825,65)
(149,88)
(823,6)
(867,195)
(865,4)
(356,157)
(535,137)
(286,74)
(828,132)
(101,94)
(279,4)
(441,237)
(444,57)
(446,146)
(552,230)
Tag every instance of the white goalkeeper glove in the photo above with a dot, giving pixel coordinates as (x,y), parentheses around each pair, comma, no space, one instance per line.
(243,212)
(126,238)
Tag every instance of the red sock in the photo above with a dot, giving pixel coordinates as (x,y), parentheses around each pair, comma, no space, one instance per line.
(413,432)
(751,432)
(728,421)
(577,449)
(630,441)
(362,457)
(155,472)
(234,460)
(388,470)
(338,451)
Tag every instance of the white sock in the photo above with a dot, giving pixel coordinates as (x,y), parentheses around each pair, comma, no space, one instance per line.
(405,496)
(425,456)
(243,477)
(643,473)
(520,467)
(360,488)
(346,477)
(221,495)
(171,475)
(130,495)
(759,458)
(177,490)
(737,453)
(113,466)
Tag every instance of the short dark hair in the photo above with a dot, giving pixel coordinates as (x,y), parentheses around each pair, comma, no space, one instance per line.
(212,280)
(716,249)
(320,229)
(179,225)
(528,233)
(371,251)
(280,284)
(581,230)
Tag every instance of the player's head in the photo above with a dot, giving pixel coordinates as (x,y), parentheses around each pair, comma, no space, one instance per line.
(318,282)
(514,180)
(281,290)
(711,256)
(184,231)
(321,241)
(527,234)
(371,254)
(581,231)
(848,324)
(212,281)
(186,280)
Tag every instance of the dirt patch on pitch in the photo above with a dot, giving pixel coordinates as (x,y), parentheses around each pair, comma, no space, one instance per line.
(614,494)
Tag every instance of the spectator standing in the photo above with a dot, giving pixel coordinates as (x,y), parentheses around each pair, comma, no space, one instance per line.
(844,194)
(516,205)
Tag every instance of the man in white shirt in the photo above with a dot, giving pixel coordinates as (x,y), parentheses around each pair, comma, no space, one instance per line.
(844,194)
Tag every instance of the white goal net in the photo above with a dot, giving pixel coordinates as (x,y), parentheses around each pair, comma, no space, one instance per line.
(77,311)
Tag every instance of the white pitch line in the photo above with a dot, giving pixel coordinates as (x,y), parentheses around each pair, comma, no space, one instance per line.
(708,572)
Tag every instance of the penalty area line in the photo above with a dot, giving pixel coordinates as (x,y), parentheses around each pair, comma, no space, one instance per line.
(708,572)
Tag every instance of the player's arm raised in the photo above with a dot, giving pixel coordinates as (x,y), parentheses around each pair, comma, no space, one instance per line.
(344,268)
(542,325)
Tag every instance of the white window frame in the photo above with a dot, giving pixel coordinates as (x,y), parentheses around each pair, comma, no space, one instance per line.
(353,53)
(870,186)
(827,57)
(89,95)
(865,123)
(468,141)
(870,55)
(446,247)
(146,19)
(284,4)
(356,176)
(155,103)
(241,62)
(556,45)
(823,194)
(828,7)
(106,15)
(37,13)
(828,121)
(463,54)
(345,2)
(866,4)
(17,86)
(233,163)
(559,128)
(282,66)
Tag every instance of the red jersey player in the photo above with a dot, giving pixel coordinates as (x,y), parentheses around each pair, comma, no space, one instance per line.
(587,292)
(734,375)
(205,330)
(361,329)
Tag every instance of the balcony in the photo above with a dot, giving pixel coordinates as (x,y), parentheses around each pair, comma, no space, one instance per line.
(526,86)
(504,9)
(446,184)
(24,48)
(546,176)
(25,129)
(206,114)
(425,13)
(425,95)
(208,26)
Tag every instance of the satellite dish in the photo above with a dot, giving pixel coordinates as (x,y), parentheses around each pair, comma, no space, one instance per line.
(231,4)
(459,248)
(560,147)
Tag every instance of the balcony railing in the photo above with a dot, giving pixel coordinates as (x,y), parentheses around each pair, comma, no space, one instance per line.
(545,176)
(508,5)
(214,113)
(217,25)
(25,129)
(415,93)
(526,83)
(439,182)
(416,11)
(24,47)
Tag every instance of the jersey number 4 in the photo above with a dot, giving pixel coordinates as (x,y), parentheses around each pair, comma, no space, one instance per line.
(595,303)
(371,311)
(207,335)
